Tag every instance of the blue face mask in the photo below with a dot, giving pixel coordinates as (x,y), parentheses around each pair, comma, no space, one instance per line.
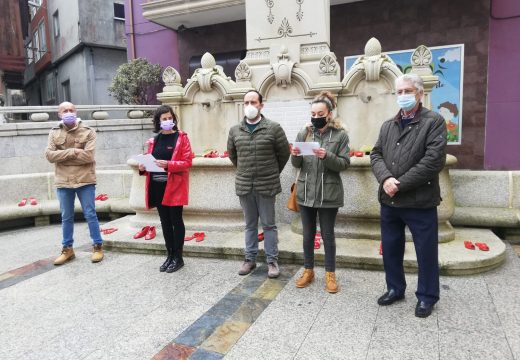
(69,119)
(406,101)
(167,125)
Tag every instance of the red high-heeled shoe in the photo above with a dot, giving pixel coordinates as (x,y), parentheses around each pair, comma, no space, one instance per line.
(150,235)
(142,232)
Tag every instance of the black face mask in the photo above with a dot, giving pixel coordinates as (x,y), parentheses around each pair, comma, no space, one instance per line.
(319,123)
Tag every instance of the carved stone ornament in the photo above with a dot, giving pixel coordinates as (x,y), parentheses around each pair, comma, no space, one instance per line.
(328,65)
(270,4)
(243,72)
(422,56)
(373,61)
(283,68)
(285,30)
(421,60)
(204,76)
(171,77)
(299,14)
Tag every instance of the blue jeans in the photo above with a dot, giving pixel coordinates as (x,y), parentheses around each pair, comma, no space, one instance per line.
(255,205)
(86,195)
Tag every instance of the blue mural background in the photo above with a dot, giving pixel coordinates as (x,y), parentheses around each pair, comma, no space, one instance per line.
(446,97)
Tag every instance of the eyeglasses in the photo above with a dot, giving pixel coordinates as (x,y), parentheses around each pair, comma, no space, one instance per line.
(405,91)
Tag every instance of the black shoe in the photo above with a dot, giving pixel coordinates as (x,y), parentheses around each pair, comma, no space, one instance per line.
(423,310)
(175,265)
(166,263)
(168,260)
(389,298)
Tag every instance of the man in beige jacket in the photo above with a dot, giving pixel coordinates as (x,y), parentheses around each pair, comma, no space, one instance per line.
(71,148)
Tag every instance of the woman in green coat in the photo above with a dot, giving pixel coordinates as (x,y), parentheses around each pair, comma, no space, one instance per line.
(320,189)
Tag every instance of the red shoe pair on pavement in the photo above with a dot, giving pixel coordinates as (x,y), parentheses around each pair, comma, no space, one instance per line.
(198,236)
(102,197)
(482,246)
(148,232)
(108,231)
(31,200)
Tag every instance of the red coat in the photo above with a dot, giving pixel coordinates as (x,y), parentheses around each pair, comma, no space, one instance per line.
(177,187)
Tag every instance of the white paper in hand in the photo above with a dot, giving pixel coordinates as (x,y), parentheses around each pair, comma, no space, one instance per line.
(306,147)
(148,161)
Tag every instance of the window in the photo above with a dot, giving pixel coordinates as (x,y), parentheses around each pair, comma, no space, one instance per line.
(42,43)
(119,11)
(50,89)
(39,43)
(66,90)
(36,44)
(56,24)
(30,52)
(34,6)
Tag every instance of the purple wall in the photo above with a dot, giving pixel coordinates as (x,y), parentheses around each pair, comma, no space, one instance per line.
(502,149)
(153,42)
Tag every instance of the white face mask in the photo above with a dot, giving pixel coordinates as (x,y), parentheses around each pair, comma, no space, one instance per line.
(250,112)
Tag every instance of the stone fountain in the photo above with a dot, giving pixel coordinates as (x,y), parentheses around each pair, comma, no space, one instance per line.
(289,61)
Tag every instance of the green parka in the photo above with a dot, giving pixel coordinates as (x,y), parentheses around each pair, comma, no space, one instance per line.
(319,183)
(259,157)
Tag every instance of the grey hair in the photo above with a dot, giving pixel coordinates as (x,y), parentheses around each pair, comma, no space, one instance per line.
(413,79)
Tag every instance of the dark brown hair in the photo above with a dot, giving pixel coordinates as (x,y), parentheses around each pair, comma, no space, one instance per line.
(163,109)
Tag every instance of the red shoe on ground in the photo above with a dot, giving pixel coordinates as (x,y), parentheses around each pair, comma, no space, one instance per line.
(380,248)
(317,241)
(150,235)
(108,231)
(199,236)
(189,238)
(142,232)
(469,245)
(482,246)
(33,201)
(22,202)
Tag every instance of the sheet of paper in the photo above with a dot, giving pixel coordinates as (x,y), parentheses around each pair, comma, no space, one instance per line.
(306,147)
(148,161)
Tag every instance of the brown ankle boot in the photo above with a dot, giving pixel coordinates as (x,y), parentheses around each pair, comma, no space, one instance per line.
(306,278)
(330,282)
(97,253)
(67,254)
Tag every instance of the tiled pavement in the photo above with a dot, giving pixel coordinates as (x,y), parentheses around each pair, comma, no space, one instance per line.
(123,308)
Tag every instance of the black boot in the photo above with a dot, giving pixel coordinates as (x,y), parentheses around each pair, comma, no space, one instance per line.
(167,262)
(176,263)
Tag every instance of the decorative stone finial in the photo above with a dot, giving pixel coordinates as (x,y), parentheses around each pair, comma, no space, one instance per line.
(243,72)
(422,56)
(208,61)
(373,47)
(171,76)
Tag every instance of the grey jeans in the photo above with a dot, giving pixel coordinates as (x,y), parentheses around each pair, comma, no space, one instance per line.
(255,205)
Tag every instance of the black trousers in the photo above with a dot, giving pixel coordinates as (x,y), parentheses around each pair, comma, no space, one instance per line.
(172,226)
(327,222)
(423,225)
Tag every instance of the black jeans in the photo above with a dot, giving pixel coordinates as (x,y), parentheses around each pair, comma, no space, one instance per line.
(423,224)
(172,226)
(327,222)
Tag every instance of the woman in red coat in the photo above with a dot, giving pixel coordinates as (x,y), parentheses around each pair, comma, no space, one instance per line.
(168,191)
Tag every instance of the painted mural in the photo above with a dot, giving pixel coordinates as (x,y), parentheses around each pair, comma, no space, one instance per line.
(448,65)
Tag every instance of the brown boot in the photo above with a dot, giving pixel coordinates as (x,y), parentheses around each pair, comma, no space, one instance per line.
(306,278)
(67,254)
(330,282)
(97,253)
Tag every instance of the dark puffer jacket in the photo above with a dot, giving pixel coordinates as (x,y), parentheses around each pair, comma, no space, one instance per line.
(415,156)
(259,157)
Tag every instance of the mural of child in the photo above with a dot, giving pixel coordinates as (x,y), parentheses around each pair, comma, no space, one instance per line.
(450,112)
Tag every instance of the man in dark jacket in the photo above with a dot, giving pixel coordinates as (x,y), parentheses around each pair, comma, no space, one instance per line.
(259,149)
(406,160)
